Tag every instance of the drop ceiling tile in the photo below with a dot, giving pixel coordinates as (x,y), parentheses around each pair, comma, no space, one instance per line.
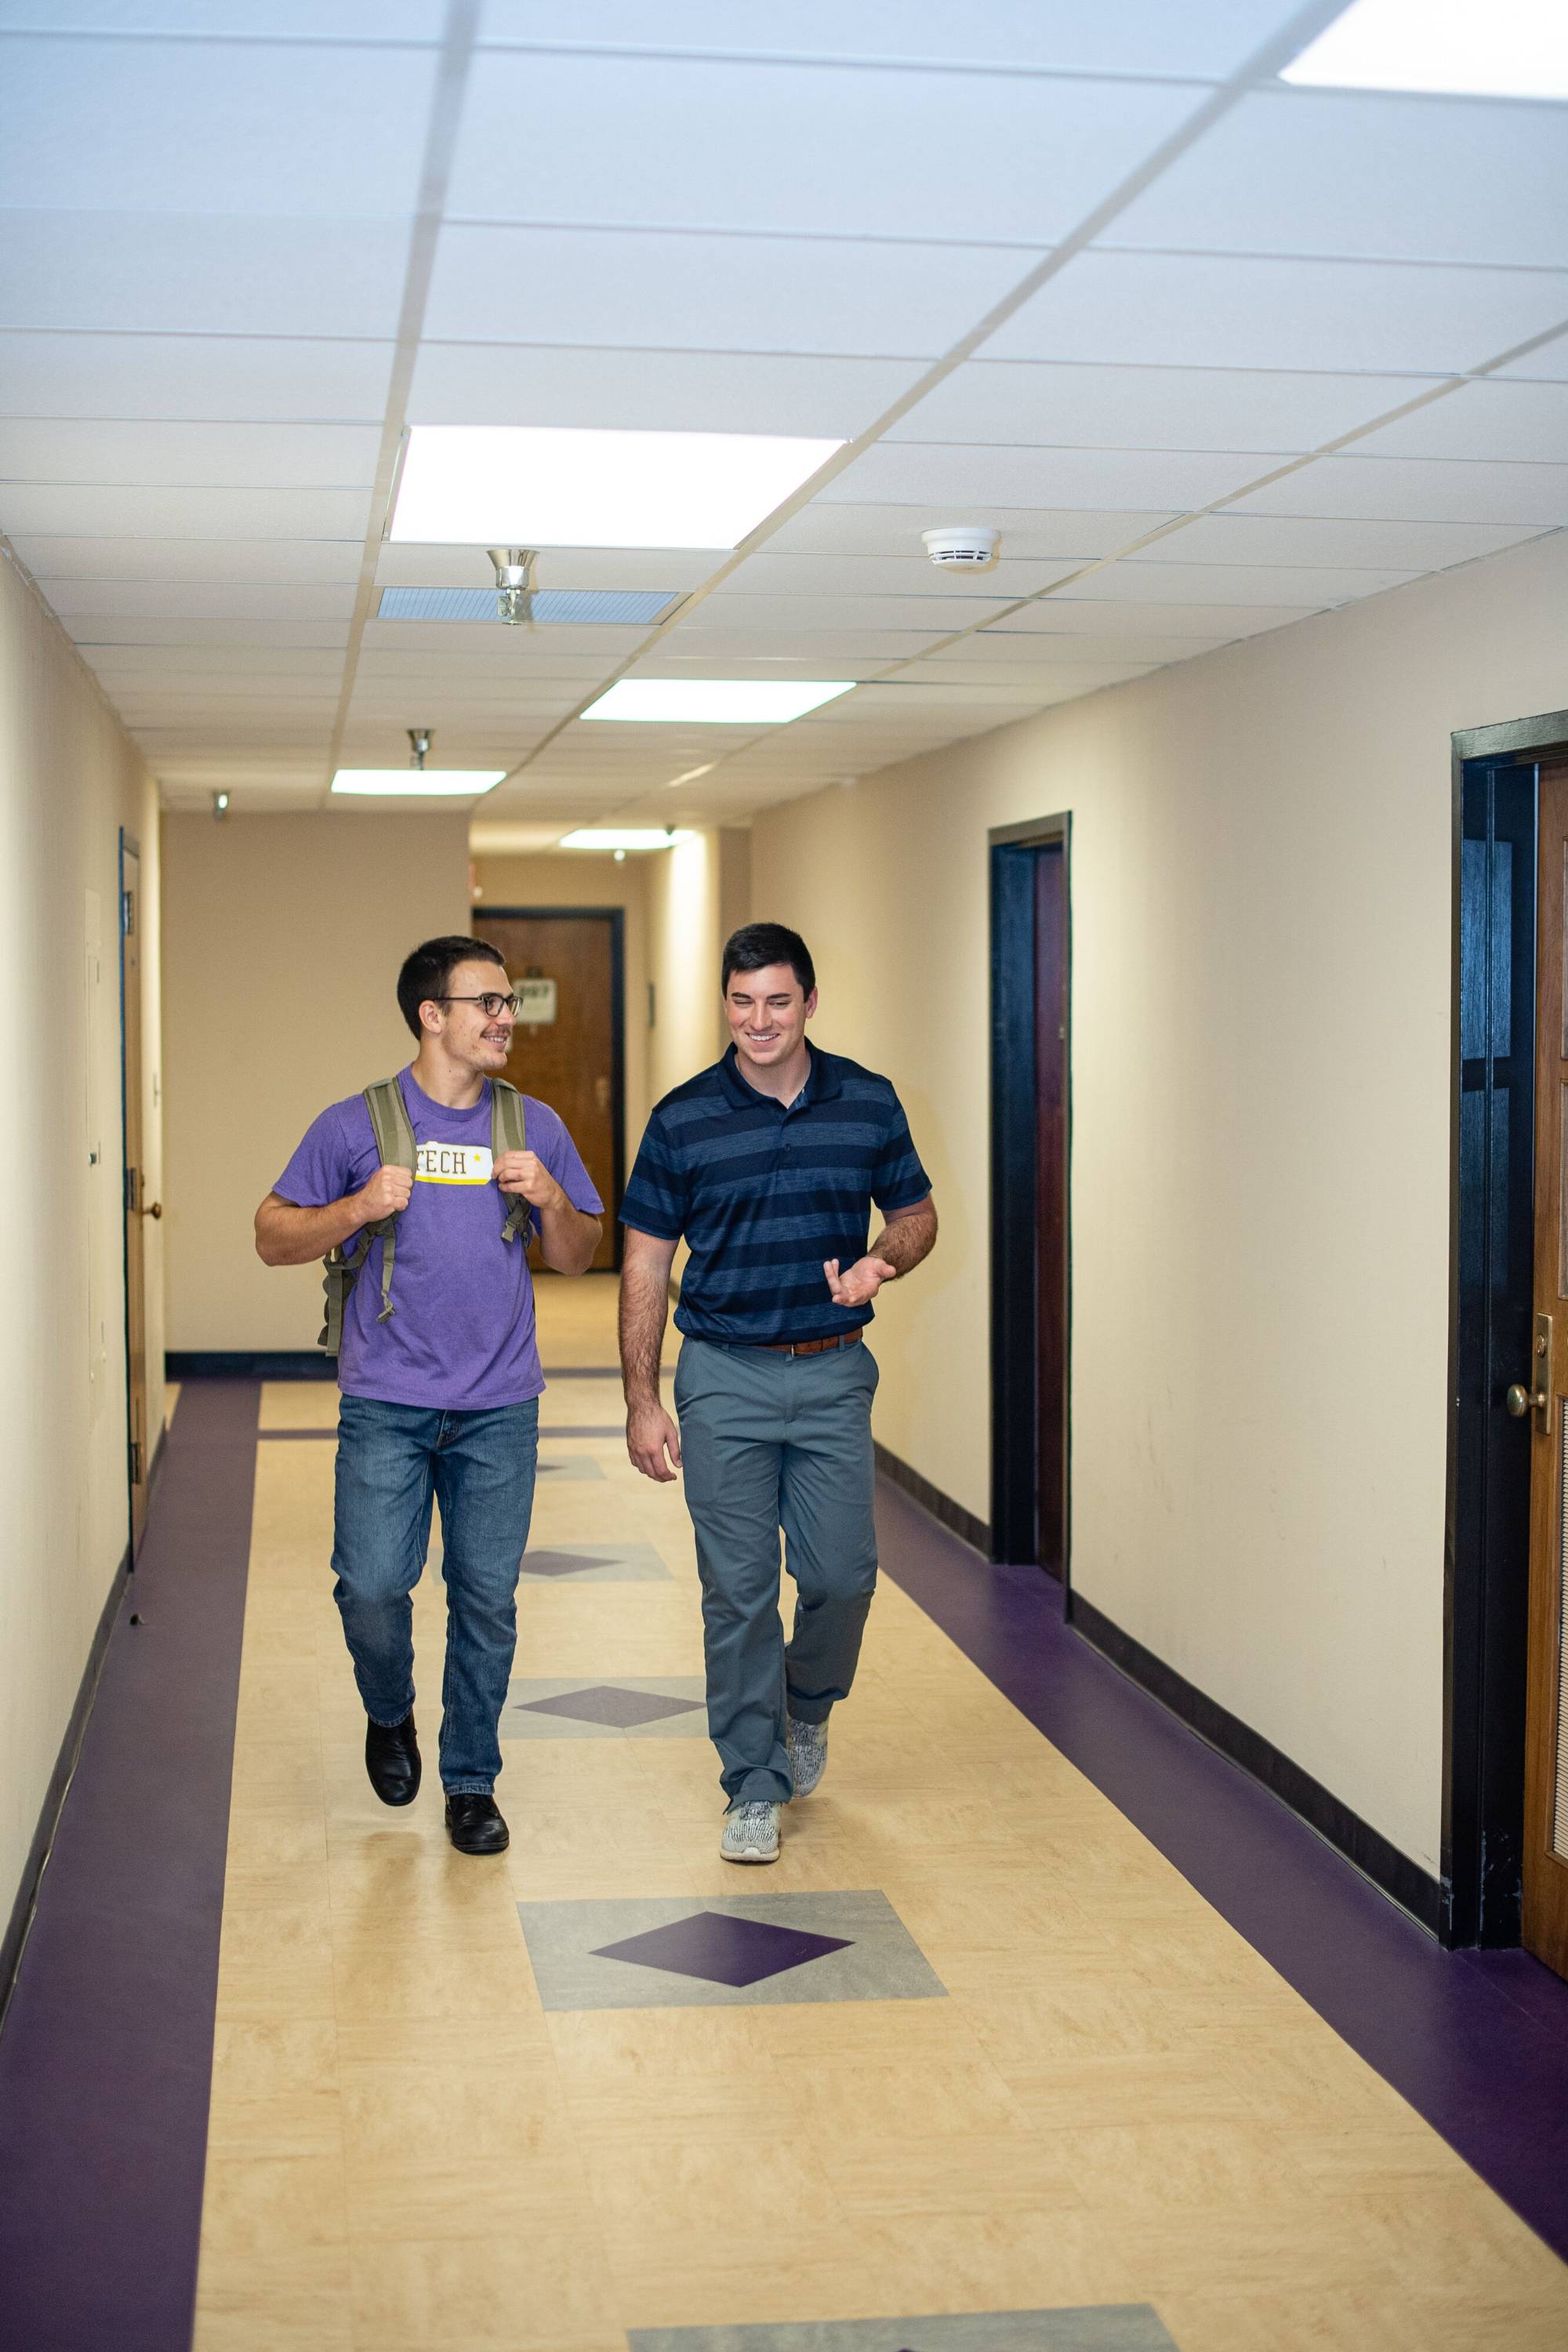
(1361,174)
(1032,401)
(732,610)
(250,457)
(998,656)
(92,511)
(1027,534)
(691,392)
(596,647)
(825,649)
(1422,489)
(1548,364)
(1247,538)
(1058,616)
(225,662)
(197,376)
(402,564)
(172,600)
(92,630)
(188,274)
(1135,36)
(1519,422)
(798,148)
(697,293)
(278,561)
(893,575)
(1228,583)
(279,20)
(1166,478)
(1207,310)
(977,676)
(179,126)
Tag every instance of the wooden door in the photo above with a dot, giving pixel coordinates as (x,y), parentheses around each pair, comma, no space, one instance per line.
(569,1053)
(1543,1392)
(1051,1218)
(137,1206)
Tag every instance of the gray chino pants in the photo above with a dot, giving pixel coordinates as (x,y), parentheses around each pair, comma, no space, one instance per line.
(771,1441)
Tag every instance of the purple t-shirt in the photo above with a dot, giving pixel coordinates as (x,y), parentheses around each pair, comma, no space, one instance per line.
(460,1338)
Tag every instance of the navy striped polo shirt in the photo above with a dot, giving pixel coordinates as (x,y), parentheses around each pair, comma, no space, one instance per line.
(765,1191)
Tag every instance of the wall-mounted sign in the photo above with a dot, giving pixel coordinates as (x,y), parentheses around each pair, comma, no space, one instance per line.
(536,1001)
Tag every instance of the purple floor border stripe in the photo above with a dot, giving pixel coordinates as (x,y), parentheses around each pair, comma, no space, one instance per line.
(1476,2041)
(106,2058)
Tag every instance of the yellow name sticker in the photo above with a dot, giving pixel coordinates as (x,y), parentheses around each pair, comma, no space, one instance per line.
(453,1163)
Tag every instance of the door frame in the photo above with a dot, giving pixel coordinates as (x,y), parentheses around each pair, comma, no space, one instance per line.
(128,846)
(617,917)
(1490,1304)
(1015,1191)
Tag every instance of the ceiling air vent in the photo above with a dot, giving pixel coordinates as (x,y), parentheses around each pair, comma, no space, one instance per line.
(563,607)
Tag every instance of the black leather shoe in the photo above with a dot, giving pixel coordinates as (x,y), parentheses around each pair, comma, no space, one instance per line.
(474,1825)
(392,1759)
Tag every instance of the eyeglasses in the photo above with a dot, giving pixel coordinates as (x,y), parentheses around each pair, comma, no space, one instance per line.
(492,1004)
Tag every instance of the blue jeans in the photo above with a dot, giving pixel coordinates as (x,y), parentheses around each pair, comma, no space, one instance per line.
(393,1462)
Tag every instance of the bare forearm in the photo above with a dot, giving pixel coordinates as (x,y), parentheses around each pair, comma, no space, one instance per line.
(905,1241)
(568,1237)
(287,1234)
(644,1305)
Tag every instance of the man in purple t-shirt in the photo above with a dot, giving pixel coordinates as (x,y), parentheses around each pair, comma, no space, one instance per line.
(440,1398)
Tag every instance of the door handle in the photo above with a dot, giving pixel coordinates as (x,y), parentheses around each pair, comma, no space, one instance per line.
(155,1209)
(1536,1397)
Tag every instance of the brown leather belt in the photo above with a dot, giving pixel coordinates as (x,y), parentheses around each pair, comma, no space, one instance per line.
(808,1347)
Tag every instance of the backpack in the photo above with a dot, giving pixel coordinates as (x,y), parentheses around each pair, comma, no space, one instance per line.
(396,1147)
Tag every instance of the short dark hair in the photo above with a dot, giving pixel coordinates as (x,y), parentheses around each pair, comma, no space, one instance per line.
(425,973)
(756,945)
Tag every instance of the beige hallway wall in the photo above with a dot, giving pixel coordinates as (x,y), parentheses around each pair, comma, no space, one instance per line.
(69,780)
(1261,952)
(283,936)
(697,893)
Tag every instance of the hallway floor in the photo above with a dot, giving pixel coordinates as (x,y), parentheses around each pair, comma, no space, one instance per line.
(974,2048)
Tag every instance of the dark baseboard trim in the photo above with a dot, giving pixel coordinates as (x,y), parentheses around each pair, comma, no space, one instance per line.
(1403,1881)
(13,1941)
(250,1364)
(952,1515)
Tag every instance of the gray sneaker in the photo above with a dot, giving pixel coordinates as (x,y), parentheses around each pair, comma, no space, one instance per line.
(806,1744)
(751,1832)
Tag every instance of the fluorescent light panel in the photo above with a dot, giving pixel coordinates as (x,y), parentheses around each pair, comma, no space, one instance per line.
(1508,48)
(419,783)
(588,836)
(550,486)
(716,701)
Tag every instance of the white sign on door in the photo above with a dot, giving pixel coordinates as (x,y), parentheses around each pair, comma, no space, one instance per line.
(536,1001)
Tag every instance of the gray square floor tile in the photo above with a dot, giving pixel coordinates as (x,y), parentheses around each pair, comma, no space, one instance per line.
(1093,2327)
(619,1706)
(579,1563)
(696,1951)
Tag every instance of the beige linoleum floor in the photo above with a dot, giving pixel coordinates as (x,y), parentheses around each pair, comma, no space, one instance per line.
(1118,2101)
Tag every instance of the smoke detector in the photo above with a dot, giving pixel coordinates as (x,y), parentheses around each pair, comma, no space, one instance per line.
(962,546)
(514,584)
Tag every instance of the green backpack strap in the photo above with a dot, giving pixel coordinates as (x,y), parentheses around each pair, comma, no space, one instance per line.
(509,1132)
(394,1147)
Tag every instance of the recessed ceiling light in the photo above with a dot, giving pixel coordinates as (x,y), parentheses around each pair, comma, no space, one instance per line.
(425,783)
(589,836)
(561,486)
(1510,49)
(717,702)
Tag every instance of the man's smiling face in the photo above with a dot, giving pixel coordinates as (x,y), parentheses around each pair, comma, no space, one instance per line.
(767,1012)
(476,1039)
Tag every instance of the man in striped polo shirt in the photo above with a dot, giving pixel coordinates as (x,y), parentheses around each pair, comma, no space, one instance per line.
(767,1165)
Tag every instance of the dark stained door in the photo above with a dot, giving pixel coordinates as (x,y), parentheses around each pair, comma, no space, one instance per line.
(570,1056)
(1542,1394)
(137,1205)
(1051,1226)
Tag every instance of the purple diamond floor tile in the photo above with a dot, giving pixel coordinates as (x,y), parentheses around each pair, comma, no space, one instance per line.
(605,1703)
(722,1951)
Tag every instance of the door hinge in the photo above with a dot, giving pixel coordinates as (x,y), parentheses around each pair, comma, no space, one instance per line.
(129,1189)
(127,914)
(136,1462)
